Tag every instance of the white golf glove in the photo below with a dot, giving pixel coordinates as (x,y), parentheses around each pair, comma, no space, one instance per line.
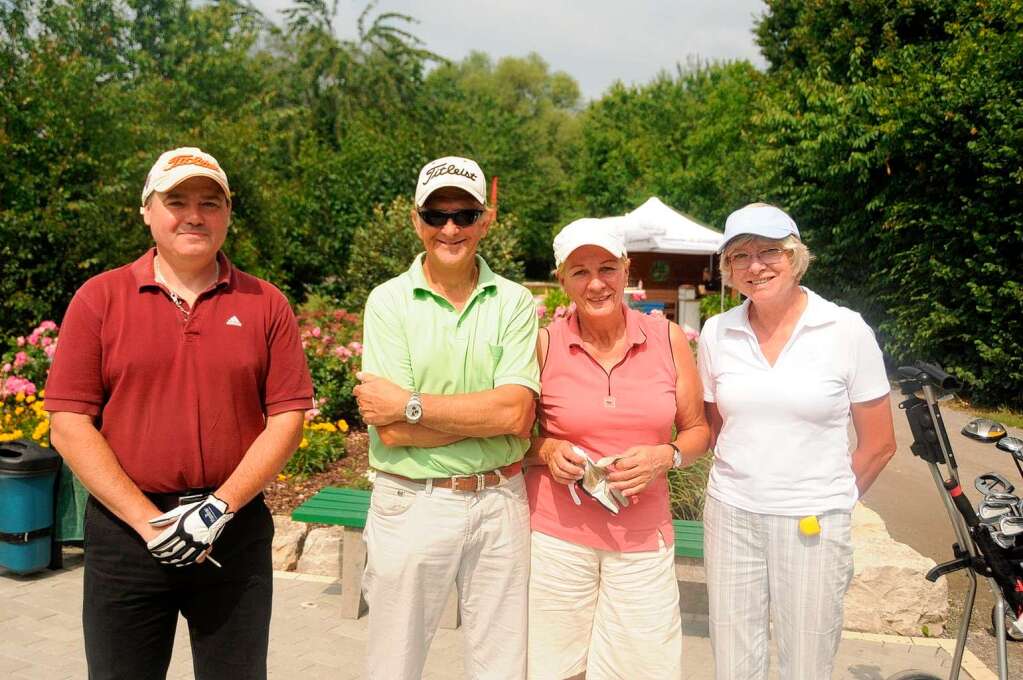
(595,483)
(191,530)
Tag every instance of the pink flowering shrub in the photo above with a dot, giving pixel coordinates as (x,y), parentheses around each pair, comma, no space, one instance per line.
(23,370)
(331,339)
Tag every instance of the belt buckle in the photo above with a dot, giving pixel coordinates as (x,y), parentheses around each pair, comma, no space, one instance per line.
(481,482)
(191,498)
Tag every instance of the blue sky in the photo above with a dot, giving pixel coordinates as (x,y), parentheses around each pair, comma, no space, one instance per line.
(595,41)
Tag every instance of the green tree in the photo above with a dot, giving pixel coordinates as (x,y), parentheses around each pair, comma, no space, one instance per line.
(385,247)
(895,135)
(518,119)
(687,139)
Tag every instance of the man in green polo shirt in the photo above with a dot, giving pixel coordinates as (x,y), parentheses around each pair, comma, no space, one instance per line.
(449,376)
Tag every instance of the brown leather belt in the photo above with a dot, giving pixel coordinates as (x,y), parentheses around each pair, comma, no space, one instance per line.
(474,482)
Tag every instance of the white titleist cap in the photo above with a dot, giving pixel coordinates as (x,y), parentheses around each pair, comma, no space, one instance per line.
(451,171)
(759,219)
(606,233)
(175,166)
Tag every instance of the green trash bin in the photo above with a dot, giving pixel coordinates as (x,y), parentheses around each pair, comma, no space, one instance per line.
(71,498)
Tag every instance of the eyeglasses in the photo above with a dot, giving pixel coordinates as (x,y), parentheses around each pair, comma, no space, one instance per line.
(462,218)
(766,256)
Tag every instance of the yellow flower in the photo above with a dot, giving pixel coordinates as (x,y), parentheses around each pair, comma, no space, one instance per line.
(19,397)
(342,425)
(42,394)
(41,429)
(19,410)
(281,477)
(30,398)
(304,444)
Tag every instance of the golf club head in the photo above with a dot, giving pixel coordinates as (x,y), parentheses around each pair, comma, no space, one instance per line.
(1012,445)
(993,514)
(1001,500)
(1003,541)
(984,430)
(992,482)
(1011,525)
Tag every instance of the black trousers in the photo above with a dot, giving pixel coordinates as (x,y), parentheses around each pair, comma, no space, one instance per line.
(131,601)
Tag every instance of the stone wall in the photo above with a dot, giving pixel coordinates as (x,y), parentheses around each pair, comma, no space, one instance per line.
(888,594)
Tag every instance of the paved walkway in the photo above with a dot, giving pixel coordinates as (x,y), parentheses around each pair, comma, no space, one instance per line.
(41,637)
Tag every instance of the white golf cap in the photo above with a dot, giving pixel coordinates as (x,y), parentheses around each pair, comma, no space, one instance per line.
(175,166)
(759,219)
(451,171)
(606,233)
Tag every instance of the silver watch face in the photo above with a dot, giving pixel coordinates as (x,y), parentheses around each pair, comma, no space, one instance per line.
(676,458)
(413,412)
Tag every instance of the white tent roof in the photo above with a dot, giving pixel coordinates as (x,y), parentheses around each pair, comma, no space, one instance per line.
(656,228)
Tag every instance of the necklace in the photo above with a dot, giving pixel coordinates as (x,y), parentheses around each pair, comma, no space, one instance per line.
(175,298)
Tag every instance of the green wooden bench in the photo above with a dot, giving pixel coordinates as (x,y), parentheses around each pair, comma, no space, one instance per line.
(348,508)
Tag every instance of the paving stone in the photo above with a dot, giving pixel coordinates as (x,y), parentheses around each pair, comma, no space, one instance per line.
(309,640)
(10,664)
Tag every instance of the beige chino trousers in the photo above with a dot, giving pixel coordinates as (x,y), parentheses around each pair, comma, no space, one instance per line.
(421,542)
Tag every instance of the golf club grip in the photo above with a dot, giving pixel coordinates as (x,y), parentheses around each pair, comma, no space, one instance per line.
(937,376)
(962,503)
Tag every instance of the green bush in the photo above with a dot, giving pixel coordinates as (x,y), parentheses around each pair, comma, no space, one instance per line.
(322,444)
(385,246)
(710,305)
(555,305)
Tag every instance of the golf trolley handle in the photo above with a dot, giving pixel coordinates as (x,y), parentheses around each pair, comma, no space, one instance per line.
(929,374)
(962,503)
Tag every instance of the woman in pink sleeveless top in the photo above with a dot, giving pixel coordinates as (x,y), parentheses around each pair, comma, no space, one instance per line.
(602,596)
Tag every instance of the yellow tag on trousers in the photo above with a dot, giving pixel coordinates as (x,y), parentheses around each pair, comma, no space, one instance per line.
(809,526)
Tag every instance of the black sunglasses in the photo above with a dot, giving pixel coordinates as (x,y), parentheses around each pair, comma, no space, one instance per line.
(462,218)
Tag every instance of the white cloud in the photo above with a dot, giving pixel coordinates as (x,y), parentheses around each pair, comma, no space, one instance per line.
(595,41)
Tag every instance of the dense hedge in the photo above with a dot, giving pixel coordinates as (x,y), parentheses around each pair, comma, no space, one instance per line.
(895,135)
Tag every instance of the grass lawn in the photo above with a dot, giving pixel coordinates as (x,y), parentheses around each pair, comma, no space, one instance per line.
(1004,416)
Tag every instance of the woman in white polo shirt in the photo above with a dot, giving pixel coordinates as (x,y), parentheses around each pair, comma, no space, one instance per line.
(783,374)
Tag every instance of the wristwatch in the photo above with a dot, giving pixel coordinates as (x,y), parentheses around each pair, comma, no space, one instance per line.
(414,409)
(676,456)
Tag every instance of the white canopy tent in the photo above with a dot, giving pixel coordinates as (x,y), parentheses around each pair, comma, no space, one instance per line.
(656,228)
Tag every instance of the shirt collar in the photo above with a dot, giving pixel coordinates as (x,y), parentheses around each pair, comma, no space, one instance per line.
(818,312)
(487,278)
(145,274)
(634,334)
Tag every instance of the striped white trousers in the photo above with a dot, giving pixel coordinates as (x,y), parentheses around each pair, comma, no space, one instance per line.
(760,566)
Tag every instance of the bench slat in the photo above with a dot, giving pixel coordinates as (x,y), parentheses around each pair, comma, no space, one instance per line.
(348,507)
(345,519)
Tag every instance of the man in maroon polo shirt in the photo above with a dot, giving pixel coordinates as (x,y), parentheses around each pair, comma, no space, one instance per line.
(177,393)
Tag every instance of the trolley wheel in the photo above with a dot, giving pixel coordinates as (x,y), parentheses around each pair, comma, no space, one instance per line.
(915,675)
(1010,633)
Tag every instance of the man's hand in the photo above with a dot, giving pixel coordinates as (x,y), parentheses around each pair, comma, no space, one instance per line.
(190,531)
(635,468)
(381,402)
